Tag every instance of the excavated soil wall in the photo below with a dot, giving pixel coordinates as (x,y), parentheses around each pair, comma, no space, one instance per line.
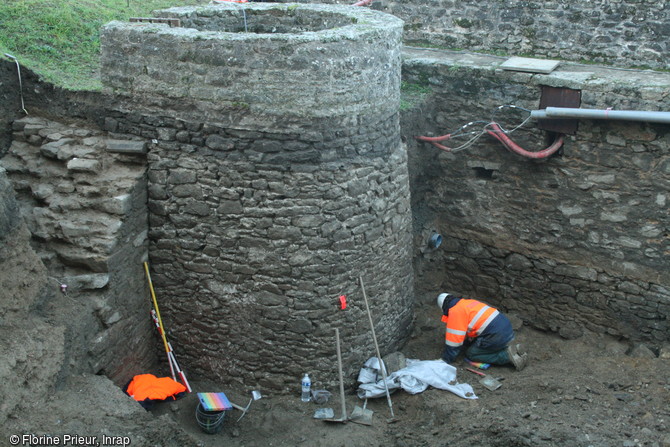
(11,103)
(82,197)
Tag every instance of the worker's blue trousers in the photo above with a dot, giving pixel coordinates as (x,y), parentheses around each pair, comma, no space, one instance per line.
(491,346)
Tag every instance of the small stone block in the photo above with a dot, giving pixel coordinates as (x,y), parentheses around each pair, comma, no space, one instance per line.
(87,282)
(529,65)
(127,146)
(32,129)
(83,165)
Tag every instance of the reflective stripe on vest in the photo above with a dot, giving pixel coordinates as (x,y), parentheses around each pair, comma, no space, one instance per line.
(467,319)
(488,321)
(459,335)
(473,323)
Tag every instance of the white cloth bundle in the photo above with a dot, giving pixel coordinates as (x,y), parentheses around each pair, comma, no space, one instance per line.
(415,378)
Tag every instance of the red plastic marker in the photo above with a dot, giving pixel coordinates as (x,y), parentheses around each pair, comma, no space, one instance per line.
(476,372)
(343,302)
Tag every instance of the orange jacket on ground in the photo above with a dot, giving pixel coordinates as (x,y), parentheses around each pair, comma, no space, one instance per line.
(148,386)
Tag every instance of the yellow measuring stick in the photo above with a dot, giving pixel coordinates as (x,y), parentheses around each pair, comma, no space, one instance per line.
(160,321)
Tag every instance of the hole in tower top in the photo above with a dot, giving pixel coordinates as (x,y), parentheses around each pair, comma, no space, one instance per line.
(284,19)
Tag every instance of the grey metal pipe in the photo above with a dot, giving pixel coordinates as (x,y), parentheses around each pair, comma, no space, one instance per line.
(624,115)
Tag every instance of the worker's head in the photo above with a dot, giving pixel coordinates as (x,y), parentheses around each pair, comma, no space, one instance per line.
(446,301)
(441,298)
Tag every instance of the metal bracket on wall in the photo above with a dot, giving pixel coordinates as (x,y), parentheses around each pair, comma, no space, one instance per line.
(559,97)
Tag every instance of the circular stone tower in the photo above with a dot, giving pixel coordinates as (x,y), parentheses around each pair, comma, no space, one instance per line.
(277,177)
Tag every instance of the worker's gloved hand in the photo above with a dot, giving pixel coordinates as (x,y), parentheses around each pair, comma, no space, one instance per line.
(449,354)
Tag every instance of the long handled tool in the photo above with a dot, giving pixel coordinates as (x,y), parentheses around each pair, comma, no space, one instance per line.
(157,323)
(255,395)
(156,316)
(179,371)
(342,418)
(18,70)
(172,360)
(374,338)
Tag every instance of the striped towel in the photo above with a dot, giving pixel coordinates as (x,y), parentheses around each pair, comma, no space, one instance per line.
(479,365)
(214,402)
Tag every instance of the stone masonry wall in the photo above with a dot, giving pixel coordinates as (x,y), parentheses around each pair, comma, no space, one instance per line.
(624,33)
(249,80)
(276,178)
(252,256)
(579,240)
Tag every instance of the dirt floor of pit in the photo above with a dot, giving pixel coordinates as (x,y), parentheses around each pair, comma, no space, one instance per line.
(592,391)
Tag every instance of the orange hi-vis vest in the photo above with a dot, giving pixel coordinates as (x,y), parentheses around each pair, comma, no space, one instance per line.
(468,318)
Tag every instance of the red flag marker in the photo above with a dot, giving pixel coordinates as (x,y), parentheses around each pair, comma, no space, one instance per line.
(343,302)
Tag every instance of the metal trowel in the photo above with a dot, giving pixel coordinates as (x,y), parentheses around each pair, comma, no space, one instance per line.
(489,382)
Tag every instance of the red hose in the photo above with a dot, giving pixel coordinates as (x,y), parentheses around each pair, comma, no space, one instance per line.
(431,139)
(440,146)
(499,135)
(434,141)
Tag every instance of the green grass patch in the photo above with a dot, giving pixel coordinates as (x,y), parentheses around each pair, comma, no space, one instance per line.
(413,93)
(60,39)
(411,88)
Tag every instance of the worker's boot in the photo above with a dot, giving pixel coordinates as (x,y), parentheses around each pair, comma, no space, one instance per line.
(517,356)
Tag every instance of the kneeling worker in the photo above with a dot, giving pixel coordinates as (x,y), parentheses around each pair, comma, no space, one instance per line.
(486,332)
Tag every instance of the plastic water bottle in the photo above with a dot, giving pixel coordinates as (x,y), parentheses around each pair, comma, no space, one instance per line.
(306,385)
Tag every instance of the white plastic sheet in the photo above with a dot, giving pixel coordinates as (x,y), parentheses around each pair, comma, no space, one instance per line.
(371,372)
(415,378)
